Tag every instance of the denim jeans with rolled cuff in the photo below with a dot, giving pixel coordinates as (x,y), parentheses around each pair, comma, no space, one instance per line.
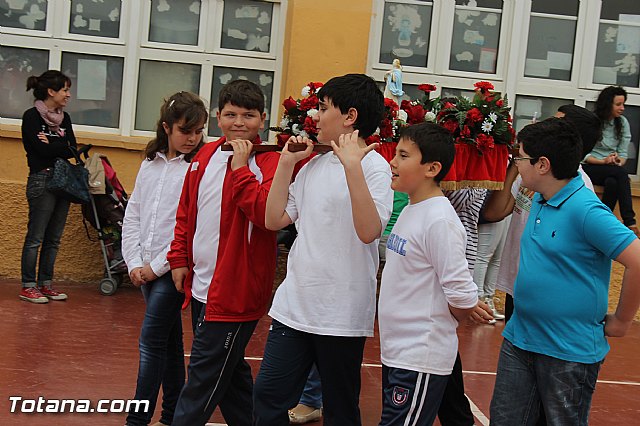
(47,217)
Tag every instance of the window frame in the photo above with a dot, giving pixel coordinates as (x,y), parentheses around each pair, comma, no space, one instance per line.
(133,46)
(509,78)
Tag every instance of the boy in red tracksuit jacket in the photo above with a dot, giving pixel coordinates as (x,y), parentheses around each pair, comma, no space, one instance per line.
(224,258)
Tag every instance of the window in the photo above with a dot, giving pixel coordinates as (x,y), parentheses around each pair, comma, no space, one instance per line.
(618,46)
(405,32)
(529,109)
(175,21)
(125,57)
(157,81)
(552,31)
(16,65)
(222,76)
(246,25)
(24,14)
(449,92)
(96,88)
(476,33)
(95,18)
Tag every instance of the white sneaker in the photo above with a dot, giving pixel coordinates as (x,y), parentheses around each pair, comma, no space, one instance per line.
(496,315)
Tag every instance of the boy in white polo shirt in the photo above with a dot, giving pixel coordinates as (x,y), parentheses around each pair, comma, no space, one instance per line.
(426,284)
(324,309)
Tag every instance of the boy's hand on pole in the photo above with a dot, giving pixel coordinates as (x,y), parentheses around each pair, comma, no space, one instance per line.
(292,158)
(241,152)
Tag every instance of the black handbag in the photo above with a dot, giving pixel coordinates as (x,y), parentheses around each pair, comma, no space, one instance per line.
(70,181)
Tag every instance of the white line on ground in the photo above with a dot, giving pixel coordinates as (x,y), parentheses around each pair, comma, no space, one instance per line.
(484,420)
(477,413)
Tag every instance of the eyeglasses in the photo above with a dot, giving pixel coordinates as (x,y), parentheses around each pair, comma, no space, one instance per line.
(534,159)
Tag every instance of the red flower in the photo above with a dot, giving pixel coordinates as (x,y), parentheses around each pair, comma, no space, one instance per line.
(465,132)
(451,125)
(405,104)
(309,126)
(386,129)
(426,88)
(308,103)
(390,103)
(499,103)
(449,105)
(289,104)
(483,86)
(415,114)
(315,86)
(373,139)
(475,115)
(484,142)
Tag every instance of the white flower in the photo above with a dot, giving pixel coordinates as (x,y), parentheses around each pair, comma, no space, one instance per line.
(429,116)
(493,117)
(402,115)
(305,91)
(296,129)
(304,134)
(312,112)
(487,126)
(284,122)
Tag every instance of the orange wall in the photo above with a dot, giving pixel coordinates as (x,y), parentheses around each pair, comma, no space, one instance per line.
(324,38)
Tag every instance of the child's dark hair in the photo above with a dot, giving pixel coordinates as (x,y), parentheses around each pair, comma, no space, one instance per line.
(357,91)
(587,124)
(52,79)
(556,139)
(181,105)
(604,106)
(435,144)
(243,94)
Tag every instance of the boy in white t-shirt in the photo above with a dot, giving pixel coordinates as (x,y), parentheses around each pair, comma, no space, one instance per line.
(324,309)
(426,284)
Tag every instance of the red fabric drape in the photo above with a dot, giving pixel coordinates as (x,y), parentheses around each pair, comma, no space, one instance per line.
(472,169)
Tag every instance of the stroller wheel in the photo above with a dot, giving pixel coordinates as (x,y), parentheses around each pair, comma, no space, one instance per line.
(108,286)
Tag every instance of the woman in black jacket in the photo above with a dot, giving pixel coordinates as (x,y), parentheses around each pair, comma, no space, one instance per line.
(46,135)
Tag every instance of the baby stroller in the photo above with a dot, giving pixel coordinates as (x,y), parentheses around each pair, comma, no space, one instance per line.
(105,213)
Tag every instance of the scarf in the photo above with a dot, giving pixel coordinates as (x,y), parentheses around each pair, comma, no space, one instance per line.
(53,118)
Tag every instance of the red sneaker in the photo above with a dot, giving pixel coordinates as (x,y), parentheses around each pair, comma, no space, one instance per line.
(52,294)
(33,295)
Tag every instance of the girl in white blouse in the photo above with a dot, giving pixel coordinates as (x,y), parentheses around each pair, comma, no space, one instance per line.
(146,237)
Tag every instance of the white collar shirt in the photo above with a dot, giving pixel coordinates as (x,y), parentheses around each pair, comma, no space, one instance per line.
(150,216)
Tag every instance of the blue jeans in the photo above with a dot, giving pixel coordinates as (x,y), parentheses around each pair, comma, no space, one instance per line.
(47,217)
(312,394)
(527,380)
(161,351)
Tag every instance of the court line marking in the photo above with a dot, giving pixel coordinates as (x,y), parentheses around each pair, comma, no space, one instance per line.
(478,414)
(485,373)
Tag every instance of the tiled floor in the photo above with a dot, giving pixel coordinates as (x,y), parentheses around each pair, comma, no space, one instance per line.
(86,348)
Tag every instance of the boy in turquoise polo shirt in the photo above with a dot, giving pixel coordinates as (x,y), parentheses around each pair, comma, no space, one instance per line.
(555,342)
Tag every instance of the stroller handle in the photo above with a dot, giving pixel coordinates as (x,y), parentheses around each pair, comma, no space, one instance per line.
(84,151)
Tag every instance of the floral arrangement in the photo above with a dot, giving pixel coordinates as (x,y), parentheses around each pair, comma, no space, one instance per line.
(483,121)
(298,115)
